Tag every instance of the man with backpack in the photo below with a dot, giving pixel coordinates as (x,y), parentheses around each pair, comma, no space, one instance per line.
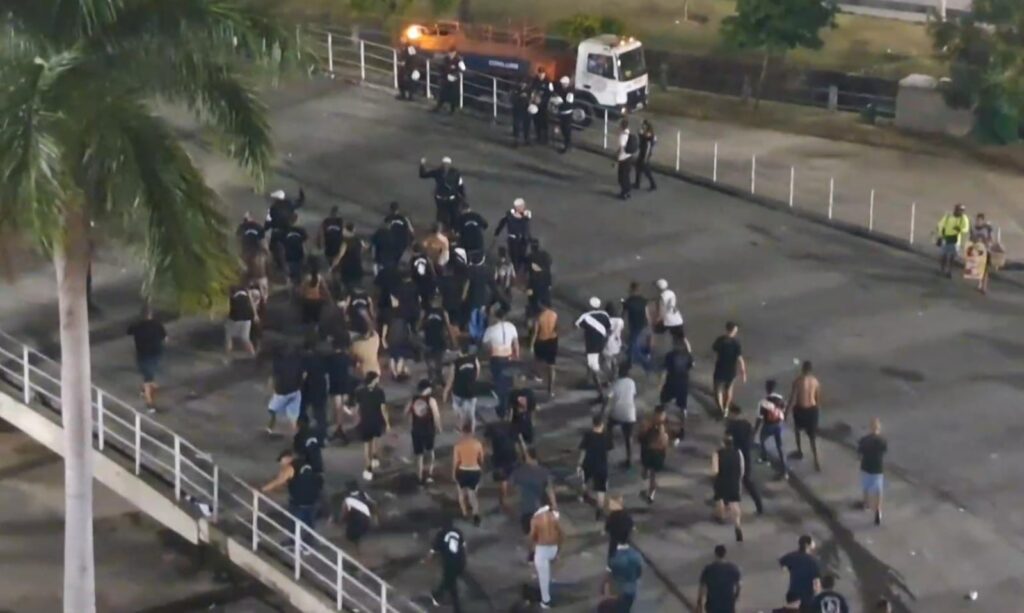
(629,145)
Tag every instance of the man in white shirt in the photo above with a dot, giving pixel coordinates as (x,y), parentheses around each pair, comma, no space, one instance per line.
(502,341)
(628,146)
(622,409)
(669,318)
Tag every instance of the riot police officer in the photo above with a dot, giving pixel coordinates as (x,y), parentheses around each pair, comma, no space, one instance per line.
(452,69)
(449,190)
(517,223)
(542,90)
(408,73)
(564,99)
(521,106)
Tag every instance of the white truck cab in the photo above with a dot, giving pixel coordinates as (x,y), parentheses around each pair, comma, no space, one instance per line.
(611,70)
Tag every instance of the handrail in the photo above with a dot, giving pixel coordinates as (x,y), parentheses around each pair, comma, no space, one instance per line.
(189,474)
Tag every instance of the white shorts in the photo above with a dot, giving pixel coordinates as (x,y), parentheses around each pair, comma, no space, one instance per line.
(238,329)
(594,362)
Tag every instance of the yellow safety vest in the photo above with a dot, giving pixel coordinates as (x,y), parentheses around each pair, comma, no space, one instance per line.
(950,225)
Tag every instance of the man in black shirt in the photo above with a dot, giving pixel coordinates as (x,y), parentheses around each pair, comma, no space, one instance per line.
(401,230)
(304,486)
(618,525)
(634,307)
(728,361)
(871,449)
(436,337)
(314,387)
(149,336)
(423,275)
(470,229)
(522,403)
(385,251)
(719,585)
(449,189)
(450,546)
(250,235)
(373,420)
(596,325)
(593,463)
(242,313)
(675,378)
(279,218)
(461,387)
(828,600)
(286,384)
(804,572)
(742,433)
(330,237)
(502,437)
(294,242)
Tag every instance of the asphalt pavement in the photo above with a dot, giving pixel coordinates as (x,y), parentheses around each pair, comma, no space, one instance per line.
(889,337)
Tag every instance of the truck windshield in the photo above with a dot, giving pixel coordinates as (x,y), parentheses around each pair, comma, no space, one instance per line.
(632,65)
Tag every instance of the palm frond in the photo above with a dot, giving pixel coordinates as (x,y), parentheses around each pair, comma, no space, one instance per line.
(62,22)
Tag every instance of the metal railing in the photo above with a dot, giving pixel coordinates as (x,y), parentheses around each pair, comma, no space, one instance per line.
(188,474)
(800,188)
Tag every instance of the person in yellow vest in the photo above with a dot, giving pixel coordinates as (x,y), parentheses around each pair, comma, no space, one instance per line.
(951,230)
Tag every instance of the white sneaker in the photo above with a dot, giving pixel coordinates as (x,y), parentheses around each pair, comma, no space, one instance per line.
(367,475)
(375,463)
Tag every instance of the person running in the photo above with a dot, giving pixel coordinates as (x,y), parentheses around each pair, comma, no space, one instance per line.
(467,467)
(286,381)
(149,336)
(728,469)
(461,387)
(645,155)
(357,513)
(675,378)
(502,341)
(314,386)
(618,525)
(424,425)
(437,337)
(350,260)
(449,546)
(469,228)
(622,410)
(242,312)
(596,325)
(728,362)
(653,437)
(544,343)
(741,432)
(339,383)
(668,318)
(720,585)
(522,404)
(313,295)
(504,456)
(535,488)
(331,237)
(771,416)
(828,600)
(373,420)
(634,307)
(613,346)
(546,538)
(401,230)
(805,405)
(804,572)
(872,448)
(951,230)
(294,244)
(250,234)
(397,338)
(304,486)
(593,464)
(625,567)
(423,275)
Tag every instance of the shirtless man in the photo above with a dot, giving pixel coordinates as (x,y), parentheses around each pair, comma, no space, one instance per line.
(805,404)
(467,465)
(546,538)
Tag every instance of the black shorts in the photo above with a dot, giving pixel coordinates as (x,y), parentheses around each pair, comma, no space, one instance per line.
(501,472)
(546,352)
(338,386)
(524,429)
(806,419)
(369,431)
(727,492)
(723,378)
(652,459)
(677,332)
(422,441)
(467,478)
(597,477)
(356,526)
(678,395)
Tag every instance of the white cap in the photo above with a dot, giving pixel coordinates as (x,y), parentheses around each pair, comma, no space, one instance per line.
(564,80)
(518,202)
(595,303)
(412,50)
(661,284)
(532,109)
(278,195)
(446,160)
(415,75)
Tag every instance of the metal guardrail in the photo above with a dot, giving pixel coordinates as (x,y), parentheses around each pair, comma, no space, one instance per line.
(188,474)
(339,50)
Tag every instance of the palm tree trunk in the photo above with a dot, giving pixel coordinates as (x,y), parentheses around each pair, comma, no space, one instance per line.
(71,259)
(760,80)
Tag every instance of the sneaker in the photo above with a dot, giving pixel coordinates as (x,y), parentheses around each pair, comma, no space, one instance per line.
(545,605)
(434,600)
(428,480)
(476,520)
(739,535)
(367,475)
(878,517)
(375,463)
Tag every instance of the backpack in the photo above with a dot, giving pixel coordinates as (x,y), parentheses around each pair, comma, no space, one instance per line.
(632,144)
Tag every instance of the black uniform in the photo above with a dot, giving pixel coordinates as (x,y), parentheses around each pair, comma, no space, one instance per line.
(518,228)
(401,235)
(450,546)
(314,391)
(407,63)
(331,230)
(358,312)
(351,265)
(422,272)
(542,90)
(279,219)
(304,490)
(250,234)
(727,481)
(423,427)
(449,192)
(643,159)
(470,227)
(595,325)
(435,341)
(565,108)
(452,69)
(521,99)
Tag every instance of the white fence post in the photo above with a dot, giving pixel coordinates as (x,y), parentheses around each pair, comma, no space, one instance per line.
(792,185)
(913,220)
(678,147)
(831,195)
(298,547)
(605,128)
(216,492)
(394,63)
(383,597)
(298,42)
(138,443)
(255,519)
(753,174)
(99,419)
(462,91)
(339,586)
(177,467)
(714,168)
(330,52)
(494,96)
(429,95)
(999,236)
(26,381)
(871,212)
(362,59)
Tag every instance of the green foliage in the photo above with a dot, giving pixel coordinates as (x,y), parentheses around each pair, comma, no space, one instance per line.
(379,8)
(582,26)
(78,129)
(986,54)
(778,26)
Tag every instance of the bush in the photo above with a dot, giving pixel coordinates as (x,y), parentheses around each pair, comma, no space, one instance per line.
(582,26)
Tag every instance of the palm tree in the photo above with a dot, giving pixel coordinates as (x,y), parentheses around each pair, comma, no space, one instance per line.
(81,144)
